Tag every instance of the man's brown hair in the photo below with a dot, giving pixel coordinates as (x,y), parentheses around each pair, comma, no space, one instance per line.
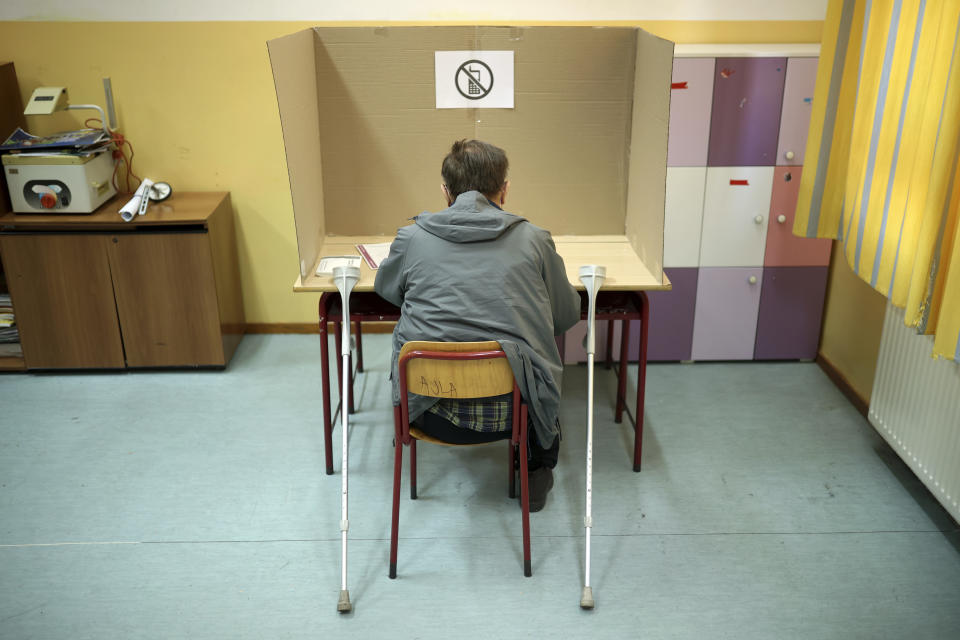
(473,165)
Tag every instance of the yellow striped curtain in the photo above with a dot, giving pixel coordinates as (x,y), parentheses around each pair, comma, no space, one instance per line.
(881,173)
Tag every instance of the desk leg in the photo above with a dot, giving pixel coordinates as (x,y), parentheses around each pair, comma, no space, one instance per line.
(610,344)
(325,385)
(622,375)
(641,378)
(359,332)
(338,341)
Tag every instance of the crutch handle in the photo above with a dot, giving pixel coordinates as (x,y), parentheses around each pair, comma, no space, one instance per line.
(592,277)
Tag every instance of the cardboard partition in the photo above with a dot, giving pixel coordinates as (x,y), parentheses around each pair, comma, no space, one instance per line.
(586,140)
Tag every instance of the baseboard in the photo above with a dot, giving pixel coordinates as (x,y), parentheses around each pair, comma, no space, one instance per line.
(311,327)
(862,405)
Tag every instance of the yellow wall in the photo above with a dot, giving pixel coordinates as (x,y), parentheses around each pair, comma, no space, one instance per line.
(852,325)
(198,104)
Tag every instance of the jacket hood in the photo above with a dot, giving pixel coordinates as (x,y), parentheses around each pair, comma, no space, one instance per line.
(472,218)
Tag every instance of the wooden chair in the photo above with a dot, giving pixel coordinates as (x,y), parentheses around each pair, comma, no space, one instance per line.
(460,370)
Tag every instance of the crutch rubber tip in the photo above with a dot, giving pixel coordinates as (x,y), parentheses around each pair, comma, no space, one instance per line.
(586,600)
(393,570)
(343,605)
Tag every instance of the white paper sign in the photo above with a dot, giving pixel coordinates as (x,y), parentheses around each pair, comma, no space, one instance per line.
(474,79)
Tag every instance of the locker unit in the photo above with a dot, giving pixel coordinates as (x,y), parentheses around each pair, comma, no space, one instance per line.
(744,287)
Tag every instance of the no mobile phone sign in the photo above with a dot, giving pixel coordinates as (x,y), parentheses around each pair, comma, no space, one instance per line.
(474,79)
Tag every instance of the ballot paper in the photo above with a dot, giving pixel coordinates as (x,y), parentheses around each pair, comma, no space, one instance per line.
(374,254)
(329,263)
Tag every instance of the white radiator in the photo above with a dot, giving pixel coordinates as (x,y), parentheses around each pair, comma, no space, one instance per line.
(916,406)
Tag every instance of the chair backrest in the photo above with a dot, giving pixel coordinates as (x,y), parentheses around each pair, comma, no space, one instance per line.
(455,369)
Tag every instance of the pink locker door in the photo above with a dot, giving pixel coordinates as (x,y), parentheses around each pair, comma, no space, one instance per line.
(691,98)
(725,324)
(797,106)
(784,249)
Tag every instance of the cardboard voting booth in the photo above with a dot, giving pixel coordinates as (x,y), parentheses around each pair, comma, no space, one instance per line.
(586,136)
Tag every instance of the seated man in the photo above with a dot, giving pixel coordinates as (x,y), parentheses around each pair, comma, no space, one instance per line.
(474,272)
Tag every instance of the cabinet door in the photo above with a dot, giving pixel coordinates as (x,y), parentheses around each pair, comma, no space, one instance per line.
(791,305)
(683,216)
(671,319)
(166,299)
(726,317)
(735,210)
(784,249)
(797,106)
(691,99)
(747,99)
(61,289)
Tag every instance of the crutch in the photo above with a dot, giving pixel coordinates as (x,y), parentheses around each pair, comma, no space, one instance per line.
(345,278)
(592,278)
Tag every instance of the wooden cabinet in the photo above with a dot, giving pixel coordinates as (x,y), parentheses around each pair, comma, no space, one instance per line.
(63,296)
(94,292)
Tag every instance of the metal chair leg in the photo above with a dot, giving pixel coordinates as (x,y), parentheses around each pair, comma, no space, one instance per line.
(413,470)
(525,493)
(512,492)
(395,520)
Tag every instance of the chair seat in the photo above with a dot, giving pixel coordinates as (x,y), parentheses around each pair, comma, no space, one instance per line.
(420,435)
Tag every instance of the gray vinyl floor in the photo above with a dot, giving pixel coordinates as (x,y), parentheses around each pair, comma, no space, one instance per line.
(194,505)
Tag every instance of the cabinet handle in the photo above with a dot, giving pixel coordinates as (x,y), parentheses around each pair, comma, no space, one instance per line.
(752,279)
(758,219)
(781,218)
(115,239)
(789,155)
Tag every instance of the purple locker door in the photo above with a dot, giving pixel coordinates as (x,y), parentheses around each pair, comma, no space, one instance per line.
(791,306)
(797,107)
(725,326)
(671,319)
(691,98)
(747,97)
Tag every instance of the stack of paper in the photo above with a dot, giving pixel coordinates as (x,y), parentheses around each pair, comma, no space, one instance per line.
(83,142)
(8,325)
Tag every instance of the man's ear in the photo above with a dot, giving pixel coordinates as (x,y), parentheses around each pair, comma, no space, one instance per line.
(446,194)
(503,193)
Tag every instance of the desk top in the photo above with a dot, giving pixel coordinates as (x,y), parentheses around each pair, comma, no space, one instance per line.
(183,208)
(625,270)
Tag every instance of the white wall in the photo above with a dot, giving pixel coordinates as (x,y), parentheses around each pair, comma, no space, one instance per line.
(424,10)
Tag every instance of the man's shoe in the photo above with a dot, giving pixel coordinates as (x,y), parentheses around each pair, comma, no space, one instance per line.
(540,481)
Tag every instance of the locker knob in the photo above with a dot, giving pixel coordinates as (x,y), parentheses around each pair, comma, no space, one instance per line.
(789,155)
(752,280)
(781,218)
(758,219)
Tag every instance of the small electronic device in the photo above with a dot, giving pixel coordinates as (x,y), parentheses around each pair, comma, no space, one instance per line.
(59,184)
(46,100)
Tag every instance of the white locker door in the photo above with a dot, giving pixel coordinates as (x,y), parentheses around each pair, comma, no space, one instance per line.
(683,216)
(735,211)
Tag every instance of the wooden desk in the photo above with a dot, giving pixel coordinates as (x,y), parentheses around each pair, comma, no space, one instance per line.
(92,291)
(622,297)
(625,270)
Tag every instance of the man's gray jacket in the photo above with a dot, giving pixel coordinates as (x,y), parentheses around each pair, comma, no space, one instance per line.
(473,272)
